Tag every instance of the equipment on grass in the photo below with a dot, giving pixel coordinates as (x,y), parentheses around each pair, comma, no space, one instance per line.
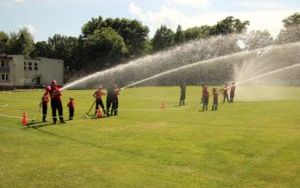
(24,119)
(91,107)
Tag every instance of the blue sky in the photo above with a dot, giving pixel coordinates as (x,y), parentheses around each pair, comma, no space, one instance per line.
(44,18)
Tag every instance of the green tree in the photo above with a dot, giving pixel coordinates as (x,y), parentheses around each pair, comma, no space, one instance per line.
(134,34)
(293,20)
(179,36)
(3,41)
(21,43)
(197,32)
(42,49)
(63,47)
(259,39)
(229,25)
(291,30)
(163,38)
(105,47)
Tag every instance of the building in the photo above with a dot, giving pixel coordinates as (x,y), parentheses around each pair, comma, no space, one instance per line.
(17,71)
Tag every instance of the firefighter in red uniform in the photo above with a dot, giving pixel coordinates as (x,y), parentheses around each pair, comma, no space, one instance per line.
(98,96)
(70,105)
(205,97)
(232,92)
(44,104)
(215,100)
(56,104)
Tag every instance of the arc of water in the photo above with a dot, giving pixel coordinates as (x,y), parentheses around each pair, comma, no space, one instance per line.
(194,64)
(268,73)
(121,67)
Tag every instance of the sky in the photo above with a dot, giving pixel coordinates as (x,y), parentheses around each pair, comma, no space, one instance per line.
(44,18)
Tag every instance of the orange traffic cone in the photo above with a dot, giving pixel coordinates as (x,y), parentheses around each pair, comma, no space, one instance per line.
(99,113)
(24,119)
(162,105)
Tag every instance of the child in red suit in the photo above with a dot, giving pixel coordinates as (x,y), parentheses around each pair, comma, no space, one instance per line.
(71,108)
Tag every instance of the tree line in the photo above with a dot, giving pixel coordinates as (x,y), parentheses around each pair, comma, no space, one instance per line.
(104,43)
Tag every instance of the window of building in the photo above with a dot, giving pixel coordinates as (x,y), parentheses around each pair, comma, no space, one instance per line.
(29,66)
(2,63)
(6,64)
(35,66)
(25,66)
(4,77)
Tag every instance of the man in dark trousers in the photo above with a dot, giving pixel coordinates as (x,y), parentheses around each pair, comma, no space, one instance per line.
(232,92)
(56,105)
(98,96)
(112,100)
(182,94)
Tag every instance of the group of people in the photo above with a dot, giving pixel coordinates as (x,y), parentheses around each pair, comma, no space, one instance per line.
(111,100)
(215,95)
(53,91)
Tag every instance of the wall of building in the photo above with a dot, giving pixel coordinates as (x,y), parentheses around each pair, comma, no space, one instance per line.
(22,74)
(51,69)
(17,70)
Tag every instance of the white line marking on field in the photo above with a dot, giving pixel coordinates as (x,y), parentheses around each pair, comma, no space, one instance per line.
(8,116)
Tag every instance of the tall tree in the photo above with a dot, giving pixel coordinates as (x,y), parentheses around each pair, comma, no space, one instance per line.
(21,43)
(3,41)
(104,47)
(259,39)
(163,38)
(134,34)
(229,25)
(291,30)
(197,32)
(179,36)
(292,20)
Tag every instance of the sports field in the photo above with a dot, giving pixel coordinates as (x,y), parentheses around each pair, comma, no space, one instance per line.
(244,144)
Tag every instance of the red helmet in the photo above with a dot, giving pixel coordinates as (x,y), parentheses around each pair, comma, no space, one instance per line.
(53,82)
(47,88)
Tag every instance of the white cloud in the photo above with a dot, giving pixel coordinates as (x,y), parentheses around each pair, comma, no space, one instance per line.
(30,28)
(262,5)
(270,20)
(192,3)
(9,3)
(19,1)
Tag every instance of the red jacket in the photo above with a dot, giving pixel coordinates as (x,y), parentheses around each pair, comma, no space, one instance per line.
(54,93)
(70,104)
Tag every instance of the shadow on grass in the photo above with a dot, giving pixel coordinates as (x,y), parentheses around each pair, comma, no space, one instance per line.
(86,143)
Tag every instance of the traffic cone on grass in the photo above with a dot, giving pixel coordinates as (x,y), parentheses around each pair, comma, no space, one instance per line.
(162,105)
(99,113)
(24,119)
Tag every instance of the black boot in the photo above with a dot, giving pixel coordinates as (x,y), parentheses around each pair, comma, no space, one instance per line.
(116,112)
(54,120)
(62,120)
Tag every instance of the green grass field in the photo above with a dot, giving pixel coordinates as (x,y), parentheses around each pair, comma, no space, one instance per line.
(244,144)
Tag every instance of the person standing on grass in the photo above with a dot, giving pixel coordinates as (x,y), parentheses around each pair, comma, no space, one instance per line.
(112,100)
(215,100)
(232,92)
(98,96)
(71,107)
(205,98)
(182,94)
(44,105)
(225,94)
(56,105)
